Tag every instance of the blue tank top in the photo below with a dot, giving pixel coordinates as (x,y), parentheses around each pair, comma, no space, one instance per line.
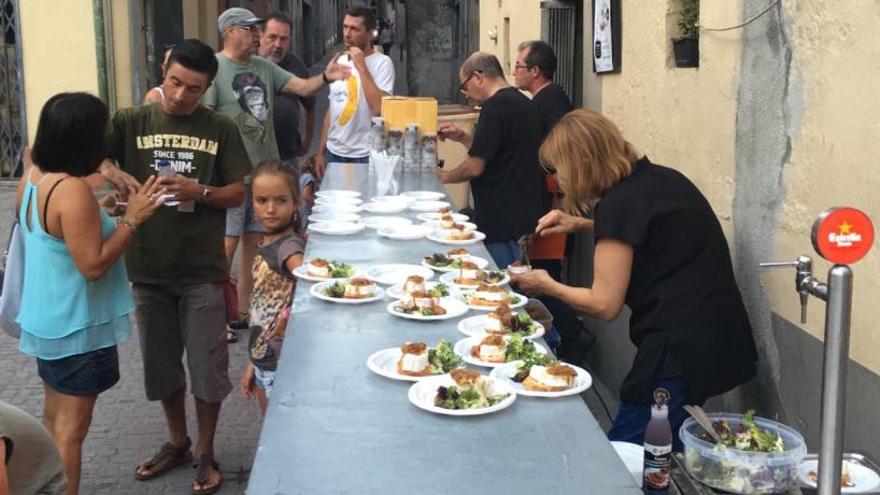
(63,313)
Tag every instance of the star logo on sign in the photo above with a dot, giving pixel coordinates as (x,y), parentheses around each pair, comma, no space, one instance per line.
(845,228)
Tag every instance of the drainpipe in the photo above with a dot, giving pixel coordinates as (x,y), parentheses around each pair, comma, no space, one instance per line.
(137,66)
(109,56)
(98,10)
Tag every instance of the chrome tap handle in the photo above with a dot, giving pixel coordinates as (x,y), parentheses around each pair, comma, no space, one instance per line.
(779,264)
(802,278)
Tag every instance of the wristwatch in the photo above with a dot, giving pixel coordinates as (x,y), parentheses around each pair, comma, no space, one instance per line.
(325,78)
(207,192)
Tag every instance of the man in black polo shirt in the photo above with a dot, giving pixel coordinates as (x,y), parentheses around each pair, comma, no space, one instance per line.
(275,46)
(509,189)
(533,72)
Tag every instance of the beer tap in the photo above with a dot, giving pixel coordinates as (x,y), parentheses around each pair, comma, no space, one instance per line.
(804,281)
(842,236)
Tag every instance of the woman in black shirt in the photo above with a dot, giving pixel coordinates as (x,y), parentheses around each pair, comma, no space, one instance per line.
(660,250)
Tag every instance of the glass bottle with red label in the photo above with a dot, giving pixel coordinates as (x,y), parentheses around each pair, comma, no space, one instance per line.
(658,446)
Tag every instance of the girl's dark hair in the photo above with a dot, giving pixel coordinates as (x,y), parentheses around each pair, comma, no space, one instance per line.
(71,134)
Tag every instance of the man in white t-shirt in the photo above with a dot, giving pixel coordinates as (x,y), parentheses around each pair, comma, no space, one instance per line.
(353,103)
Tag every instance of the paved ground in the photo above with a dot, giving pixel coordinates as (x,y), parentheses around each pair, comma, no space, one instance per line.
(126,428)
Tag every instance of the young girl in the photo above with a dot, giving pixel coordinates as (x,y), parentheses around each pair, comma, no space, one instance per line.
(275,191)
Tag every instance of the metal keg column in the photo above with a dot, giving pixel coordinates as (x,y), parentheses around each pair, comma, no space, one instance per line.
(850,245)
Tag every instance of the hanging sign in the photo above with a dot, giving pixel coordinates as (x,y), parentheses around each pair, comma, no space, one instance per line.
(606,36)
(843,235)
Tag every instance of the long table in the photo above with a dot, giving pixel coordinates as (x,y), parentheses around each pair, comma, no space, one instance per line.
(335,427)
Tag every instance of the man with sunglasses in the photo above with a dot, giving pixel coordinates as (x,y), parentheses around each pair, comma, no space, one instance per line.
(509,189)
(533,72)
(244,90)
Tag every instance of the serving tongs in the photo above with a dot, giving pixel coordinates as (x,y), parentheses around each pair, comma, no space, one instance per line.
(703,420)
(524,242)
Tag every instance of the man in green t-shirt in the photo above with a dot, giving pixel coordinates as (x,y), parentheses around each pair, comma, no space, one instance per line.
(245,89)
(177,261)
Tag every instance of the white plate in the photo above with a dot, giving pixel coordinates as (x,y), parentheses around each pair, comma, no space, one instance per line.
(382,222)
(428,205)
(404,232)
(478,236)
(449,279)
(582,382)
(385,207)
(338,200)
(423,392)
(396,273)
(332,216)
(424,195)
(337,208)
(384,363)
(339,193)
(523,300)
(454,308)
(396,199)
(480,262)
(301,272)
(435,224)
(430,217)
(865,480)
(463,349)
(317,290)
(475,326)
(633,456)
(396,290)
(336,228)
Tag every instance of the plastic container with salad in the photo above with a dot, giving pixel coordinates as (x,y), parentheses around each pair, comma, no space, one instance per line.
(757,456)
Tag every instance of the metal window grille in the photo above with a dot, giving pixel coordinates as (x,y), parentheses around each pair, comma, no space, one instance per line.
(13,123)
(558,20)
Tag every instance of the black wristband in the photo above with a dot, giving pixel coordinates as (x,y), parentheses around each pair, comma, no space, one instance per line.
(324,77)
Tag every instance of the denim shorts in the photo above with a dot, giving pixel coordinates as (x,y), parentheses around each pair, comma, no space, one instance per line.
(241,219)
(81,374)
(264,379)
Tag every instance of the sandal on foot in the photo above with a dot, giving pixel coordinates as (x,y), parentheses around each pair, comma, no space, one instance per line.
(231,336)
(168,458)
(203,475)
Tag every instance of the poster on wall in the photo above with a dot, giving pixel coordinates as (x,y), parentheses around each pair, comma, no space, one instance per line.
(606,36)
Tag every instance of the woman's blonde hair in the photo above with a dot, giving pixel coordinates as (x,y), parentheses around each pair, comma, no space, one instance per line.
(588,155)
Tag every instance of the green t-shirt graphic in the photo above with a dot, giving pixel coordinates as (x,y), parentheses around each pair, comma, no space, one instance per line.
(176,247)
(246,93)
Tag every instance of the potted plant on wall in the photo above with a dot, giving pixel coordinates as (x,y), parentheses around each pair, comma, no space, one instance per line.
(687,48)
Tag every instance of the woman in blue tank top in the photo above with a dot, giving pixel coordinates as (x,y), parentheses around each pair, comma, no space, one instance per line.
(76,297)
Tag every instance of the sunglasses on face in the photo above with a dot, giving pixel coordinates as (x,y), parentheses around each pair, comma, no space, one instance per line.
(464,85)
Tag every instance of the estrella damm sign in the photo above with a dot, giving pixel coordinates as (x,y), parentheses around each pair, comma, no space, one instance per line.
(843,235)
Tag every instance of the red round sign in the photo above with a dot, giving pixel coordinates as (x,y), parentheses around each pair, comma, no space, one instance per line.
(843,235)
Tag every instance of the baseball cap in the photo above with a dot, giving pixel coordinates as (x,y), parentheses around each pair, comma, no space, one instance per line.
(236,16)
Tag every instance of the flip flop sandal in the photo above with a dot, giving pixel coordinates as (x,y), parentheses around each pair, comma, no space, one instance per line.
(231,336)
(202,475)
(168,458)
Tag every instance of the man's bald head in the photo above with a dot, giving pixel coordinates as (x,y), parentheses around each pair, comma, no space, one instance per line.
(484,63)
